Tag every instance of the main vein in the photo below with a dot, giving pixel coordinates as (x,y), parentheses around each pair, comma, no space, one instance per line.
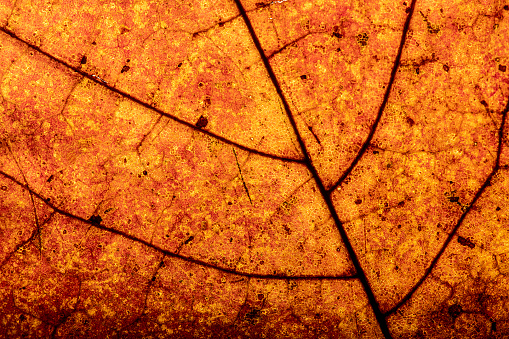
(326,194)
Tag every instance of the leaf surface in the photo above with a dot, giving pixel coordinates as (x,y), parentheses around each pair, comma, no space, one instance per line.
(254,169)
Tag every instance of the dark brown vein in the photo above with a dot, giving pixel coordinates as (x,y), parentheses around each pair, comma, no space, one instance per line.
(372,131)
(326,194)
(128,96)
(97,225)
(481,190)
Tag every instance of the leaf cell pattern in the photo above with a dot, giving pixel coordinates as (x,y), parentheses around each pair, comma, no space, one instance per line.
(241,169)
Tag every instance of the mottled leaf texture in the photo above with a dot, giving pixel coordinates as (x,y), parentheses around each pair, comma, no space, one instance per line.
(254,169)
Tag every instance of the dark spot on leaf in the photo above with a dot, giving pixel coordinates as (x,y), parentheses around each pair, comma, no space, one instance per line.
(466,242)
(179,65)
(4,188)
(506,7)
(362,39)
(399,226)
(195,35)
(200,84)
(64,232)
(336,32)
(206,101)
(221,24)
(145,172)
(188,240)
(493,323)
(300,247)
(407,10)
(202,122)
(304,77)
(420,334)
(253,314)
(50,178)
(287,229)
(125,69)
(498,208)
(338,49)
(454,199)
(417,70)
(231,239)
(410,121)
(446,68)
(261,4)
(358,201)
(432,29)
(22,317)
(95,219)
(401,203)
(260,296)
(502,68)
(83,60)
(128,60)
(229,203)
(484,103)
(455,310)
(375,152)
(153,279)
(419,228)
(94,43)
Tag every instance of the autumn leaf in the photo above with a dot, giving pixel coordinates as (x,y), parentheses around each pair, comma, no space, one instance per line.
(243,169)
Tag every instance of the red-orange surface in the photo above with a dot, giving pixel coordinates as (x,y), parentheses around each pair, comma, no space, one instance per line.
(254,169)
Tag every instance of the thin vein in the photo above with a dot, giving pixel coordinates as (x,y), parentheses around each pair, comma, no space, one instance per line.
(279,50)
(374,127)
(241,177)
(481,190)
(36,217)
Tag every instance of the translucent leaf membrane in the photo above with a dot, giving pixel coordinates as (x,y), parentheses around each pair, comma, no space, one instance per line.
(253,169)
(431,157)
